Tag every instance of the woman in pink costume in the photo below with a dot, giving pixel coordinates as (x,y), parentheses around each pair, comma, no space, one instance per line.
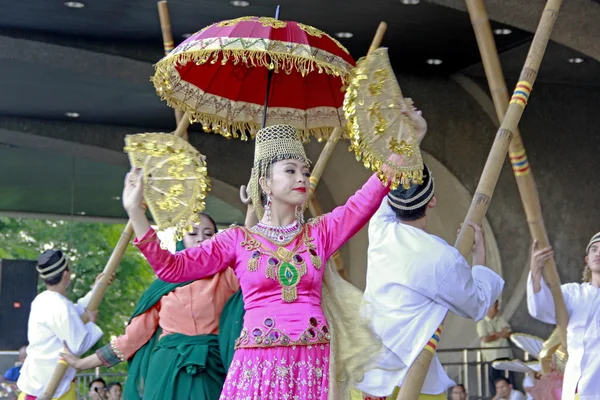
(284,349)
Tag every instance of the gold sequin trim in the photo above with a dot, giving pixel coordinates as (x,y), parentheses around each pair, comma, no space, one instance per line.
(265,21)
(269,336)
(285,266)
(261,378)
(311,30)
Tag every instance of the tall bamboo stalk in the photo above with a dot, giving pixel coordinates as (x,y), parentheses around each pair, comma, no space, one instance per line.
(167,35)
(413,382)
(517,155)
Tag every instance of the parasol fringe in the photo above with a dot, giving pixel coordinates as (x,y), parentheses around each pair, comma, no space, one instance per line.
(279,57)
(243,130)
(273,60)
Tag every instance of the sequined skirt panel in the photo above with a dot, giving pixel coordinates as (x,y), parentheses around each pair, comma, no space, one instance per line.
(293,373)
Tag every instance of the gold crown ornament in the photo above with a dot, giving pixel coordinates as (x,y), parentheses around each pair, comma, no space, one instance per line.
(273,143)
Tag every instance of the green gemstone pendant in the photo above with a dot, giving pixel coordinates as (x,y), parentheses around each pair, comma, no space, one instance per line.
(288,278)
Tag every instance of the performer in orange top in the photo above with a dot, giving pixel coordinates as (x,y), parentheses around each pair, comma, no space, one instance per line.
(171,341)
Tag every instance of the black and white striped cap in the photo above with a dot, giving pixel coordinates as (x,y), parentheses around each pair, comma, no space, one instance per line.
(416,196)
(595,239)
(51,263)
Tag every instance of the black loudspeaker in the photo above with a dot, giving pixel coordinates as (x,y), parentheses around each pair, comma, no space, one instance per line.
(18,288)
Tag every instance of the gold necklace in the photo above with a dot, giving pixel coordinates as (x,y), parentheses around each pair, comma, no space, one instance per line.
(283,265)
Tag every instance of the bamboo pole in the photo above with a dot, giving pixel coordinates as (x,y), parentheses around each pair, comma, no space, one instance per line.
(167,35)
(517,155)
(413,381)
(117,255)
(313,204)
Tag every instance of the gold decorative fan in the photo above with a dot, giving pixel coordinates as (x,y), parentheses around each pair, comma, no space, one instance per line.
(553,352)
(175,178)
(378,129)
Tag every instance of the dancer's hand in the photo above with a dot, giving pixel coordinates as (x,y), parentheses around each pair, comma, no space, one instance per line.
(538,260)
(416,117)
(92,315)
(133,191)
(110,280)
(133,202)
(70,358)
(478,245)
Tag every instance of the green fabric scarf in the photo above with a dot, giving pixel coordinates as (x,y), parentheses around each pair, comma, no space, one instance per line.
(139,363)
(185,367)
(230,326)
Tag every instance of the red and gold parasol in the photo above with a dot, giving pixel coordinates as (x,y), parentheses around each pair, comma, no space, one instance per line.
(220,76)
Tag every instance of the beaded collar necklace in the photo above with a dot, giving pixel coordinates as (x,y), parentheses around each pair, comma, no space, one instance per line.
(278,234)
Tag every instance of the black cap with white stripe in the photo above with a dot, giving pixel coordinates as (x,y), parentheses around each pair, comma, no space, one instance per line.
(51,263)
(595,239)
(416,196)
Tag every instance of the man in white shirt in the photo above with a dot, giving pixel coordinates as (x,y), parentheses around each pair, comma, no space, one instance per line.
(505,391)
(494,331)
(413,279)
(582,373)
(55,320)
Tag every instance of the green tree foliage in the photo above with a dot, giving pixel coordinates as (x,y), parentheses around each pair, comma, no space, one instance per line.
(89,245)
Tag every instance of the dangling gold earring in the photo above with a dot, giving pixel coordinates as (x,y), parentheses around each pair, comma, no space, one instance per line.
(268,208)
(299,214)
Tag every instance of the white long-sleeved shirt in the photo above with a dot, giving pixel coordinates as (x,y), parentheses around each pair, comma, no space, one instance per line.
(413,279)
(54,319)
(582,372)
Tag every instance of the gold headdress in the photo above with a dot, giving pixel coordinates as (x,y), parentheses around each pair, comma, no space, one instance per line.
(272,144)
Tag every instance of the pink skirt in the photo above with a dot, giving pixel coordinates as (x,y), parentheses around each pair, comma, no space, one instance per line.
(298,372)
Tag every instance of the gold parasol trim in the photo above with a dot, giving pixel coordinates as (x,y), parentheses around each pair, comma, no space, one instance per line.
(265,21)
(215,105)
(257,52)
(276,55)
(312,31)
